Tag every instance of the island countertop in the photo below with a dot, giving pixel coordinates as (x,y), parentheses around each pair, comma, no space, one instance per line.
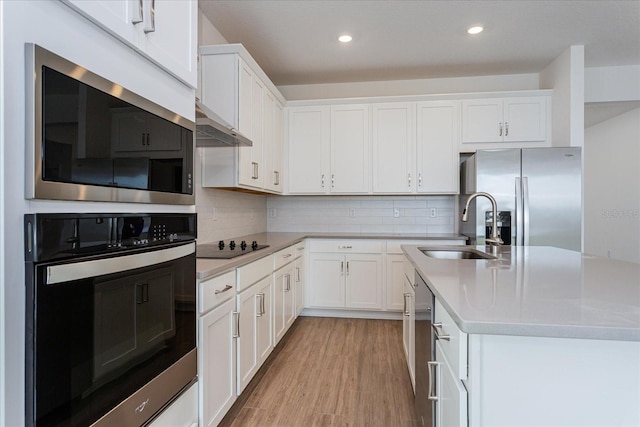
(537,291)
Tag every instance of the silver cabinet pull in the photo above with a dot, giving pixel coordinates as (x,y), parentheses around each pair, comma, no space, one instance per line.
(500,126)
(406,306)
(420,179)
(262,309)
(437,327)
(138,14)
(333,180)
(287,282)
(342,268)
(286,255)
(236,315)
(345,247)
(322,180)
(151,27)
(347,268)
(432,366)
(297,274)
(255,170)
(409,179)
(276,178)
(506,128)
(260,304)
(226,288)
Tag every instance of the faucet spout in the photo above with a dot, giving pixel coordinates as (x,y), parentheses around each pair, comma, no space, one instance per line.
(494,240)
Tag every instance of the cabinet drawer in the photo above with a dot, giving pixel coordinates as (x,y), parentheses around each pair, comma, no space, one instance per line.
(347,246)
(455,348)
(216,290)
(299,249)
(251,273)
(394,246)
(283,257)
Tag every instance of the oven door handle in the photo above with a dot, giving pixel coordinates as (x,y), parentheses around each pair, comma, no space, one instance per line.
(99,267)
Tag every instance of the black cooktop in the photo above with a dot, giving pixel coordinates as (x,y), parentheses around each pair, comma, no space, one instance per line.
(227,250)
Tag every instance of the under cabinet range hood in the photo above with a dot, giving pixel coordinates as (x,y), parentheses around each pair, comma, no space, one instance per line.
(213,131)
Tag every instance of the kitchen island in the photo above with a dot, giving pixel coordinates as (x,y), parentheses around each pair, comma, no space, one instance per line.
(539,336)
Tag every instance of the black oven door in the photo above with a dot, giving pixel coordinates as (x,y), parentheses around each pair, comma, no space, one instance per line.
(101,329)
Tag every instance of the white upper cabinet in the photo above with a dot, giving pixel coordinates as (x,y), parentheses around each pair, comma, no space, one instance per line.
(393,147)
(438,138)
(163,31)
(517,119)
(349,149)
(234,87)
(308,147)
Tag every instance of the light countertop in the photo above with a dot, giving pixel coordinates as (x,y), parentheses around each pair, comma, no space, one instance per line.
(537,291)
(277,241)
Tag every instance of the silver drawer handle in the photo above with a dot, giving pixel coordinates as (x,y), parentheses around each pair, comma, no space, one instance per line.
(431,395)
(226,288)
(406,307)
(437,327)
(286,255)
(345,247)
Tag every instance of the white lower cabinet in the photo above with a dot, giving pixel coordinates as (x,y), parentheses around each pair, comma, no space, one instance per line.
(408,328)
(284,300)
(255,340)
(451,406)
(299,277)
(217,362)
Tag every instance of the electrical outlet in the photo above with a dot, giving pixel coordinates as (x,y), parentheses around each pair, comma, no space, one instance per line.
(273,213)
(352,212)
(396,213)
(433,213)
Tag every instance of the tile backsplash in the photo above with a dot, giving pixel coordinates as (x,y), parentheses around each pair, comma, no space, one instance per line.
(362,214)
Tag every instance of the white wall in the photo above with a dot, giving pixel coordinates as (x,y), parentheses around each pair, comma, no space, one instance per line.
(612,188)
(411,87)
(565,75)
(612,84)
(362,214)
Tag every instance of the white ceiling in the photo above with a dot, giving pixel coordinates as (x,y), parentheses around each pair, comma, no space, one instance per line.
(295,42)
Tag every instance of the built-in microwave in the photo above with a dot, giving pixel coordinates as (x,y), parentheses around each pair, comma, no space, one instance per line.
(91,139)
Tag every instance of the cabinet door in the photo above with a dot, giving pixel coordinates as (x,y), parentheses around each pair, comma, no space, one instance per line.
(364,281)
(349,149)
(264,321)
(251,119)
(482,120)
(299,275)
(525,119)
(216,363)
(393,143)
(451,406)
(115,16)
(273,143)
(169,37)
(395,282)
(308,139)
(409,317)
(246,342)
(284,293)
(438,141)
(278,150)
(326,280)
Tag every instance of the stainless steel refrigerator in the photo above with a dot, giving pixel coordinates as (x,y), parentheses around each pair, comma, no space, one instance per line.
(538,191)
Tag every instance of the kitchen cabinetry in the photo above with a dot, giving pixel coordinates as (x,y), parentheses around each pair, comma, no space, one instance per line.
(255,308)
(284,291)
(135,131)
(438,139)
(408,327)
(345,274)
(234,87)
(329,149)
(299,277)
(163,31)
(217,329)
(517,119)
(393,143)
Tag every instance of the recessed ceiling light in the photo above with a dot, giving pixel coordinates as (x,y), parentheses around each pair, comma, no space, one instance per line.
(345,38)
(475,30)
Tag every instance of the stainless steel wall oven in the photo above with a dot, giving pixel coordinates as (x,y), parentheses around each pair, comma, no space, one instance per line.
(95,140)
(111,318)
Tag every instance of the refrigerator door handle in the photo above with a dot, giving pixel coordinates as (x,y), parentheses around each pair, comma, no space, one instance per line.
(518,213)
(525,209)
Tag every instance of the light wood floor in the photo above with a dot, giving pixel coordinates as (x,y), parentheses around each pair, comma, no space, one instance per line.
(331,372)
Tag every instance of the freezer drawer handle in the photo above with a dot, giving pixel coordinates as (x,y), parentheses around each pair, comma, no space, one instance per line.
(437,327)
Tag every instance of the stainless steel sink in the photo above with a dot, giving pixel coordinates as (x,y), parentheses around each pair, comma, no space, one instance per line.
(444,252)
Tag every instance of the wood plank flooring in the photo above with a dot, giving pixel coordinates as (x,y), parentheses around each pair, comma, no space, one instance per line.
(331,372)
